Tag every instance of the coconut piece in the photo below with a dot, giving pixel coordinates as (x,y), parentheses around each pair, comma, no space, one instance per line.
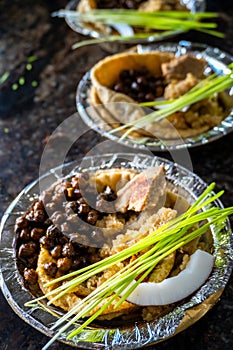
(143,191)
(123,241)
(174,288)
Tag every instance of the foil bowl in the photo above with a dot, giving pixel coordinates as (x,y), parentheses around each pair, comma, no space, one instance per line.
(96,119)
(115,336)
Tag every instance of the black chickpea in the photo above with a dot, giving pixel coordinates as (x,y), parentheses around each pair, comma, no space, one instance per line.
(50,269)
(63,232)
(37,233)
(92,217)
(47,242)
(56,252)
(27,250)
(64,264)
(30,276)
(140,85)
(25,234)
(68,250)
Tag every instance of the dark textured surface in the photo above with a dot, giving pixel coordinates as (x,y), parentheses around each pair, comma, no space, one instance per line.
(29,116)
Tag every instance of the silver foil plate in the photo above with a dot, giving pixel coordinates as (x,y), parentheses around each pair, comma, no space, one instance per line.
(114,336)
(217,60)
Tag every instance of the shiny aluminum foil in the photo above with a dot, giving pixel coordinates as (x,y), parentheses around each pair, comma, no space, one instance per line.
(136,334)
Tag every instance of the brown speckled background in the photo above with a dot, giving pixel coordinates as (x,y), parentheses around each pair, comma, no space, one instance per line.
(29,115)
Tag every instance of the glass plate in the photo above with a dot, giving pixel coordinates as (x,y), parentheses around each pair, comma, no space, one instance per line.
(133,335)
(218,61)
(193,5)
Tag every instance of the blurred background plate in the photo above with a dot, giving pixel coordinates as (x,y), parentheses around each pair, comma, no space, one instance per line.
(193,5)
(217,60)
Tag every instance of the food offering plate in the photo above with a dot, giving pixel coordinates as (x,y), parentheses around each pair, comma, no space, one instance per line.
(103,122)
(133,334)
(194,6)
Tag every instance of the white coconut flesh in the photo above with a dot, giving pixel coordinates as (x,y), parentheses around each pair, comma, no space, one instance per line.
(175,288)
(123,29)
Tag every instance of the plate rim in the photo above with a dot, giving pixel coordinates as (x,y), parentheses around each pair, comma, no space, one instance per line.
(27,316)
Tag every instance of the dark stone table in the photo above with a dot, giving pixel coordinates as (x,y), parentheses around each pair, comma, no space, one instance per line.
(30,112)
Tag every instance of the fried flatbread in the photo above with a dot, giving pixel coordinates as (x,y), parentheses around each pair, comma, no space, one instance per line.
(114,178)
(69,300)
(105,73)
